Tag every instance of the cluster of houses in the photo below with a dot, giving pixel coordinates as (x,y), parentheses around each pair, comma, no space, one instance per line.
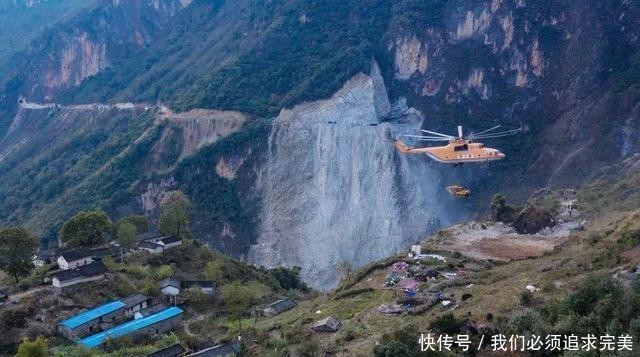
(132,316)
(135,316)
(81,265)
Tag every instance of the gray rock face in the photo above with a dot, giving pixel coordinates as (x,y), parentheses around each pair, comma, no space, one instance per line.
(335,189)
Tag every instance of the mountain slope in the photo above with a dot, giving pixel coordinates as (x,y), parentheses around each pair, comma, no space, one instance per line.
(567,72)
(25,20)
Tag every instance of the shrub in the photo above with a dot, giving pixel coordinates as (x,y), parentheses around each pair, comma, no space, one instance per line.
(163,272)
(392,349)
(288,278)
(526,298)
(593,290)
(500,211)
(309,347)
(447,324)
(35,348)
(523,322)
(630,237)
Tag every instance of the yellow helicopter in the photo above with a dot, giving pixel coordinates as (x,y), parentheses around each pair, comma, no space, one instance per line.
(460,149)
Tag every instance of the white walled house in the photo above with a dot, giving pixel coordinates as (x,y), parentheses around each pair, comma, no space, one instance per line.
(74,258)
(151,247)
(170,287)
(159,244)
(170,242)
(83,274)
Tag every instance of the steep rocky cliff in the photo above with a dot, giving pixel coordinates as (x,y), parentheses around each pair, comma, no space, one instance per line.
(334,188)
(552,68)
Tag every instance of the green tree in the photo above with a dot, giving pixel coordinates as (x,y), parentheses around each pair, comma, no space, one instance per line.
(176,214)
(126,236)
(500,211)
(196,296)
(35,348)
(213,270)
(164,271)
(139,221)
(17,247)
(237,299)
(86,228)
(288,278)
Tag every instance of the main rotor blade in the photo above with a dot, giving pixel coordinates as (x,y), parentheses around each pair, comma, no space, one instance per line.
(497,135)
(440,140)
(426,138)
(486,131)
(435,133)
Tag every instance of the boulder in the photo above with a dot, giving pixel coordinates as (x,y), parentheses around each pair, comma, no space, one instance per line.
(391,309)
(533,219)
(328,324)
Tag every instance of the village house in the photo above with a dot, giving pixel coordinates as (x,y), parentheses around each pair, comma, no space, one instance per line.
(43,258)
(230,349)
(205,286)
(150,236)
(74,258)
(84,273)
(101,253)
(170,242)
(278,307)
(150,310)
(151,247)
(135,303)
(175,350)
(158,323)
(89,321)
(170,287)
(158,244)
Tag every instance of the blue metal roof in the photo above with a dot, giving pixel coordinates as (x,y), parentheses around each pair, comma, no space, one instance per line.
(129,327)
(92,314)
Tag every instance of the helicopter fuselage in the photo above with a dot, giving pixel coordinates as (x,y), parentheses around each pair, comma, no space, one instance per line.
(456,152)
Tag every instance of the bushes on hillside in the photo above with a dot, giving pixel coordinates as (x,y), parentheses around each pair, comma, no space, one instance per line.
(600,305)
(288,278)
(532,219)
(500,211)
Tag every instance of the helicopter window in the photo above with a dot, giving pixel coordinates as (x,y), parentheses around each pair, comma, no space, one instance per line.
(464,147)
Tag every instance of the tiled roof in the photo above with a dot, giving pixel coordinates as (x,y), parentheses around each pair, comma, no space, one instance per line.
(134,299)
(76,254)
(91,269)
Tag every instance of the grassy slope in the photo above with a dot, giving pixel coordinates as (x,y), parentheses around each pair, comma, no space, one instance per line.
(604,247)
